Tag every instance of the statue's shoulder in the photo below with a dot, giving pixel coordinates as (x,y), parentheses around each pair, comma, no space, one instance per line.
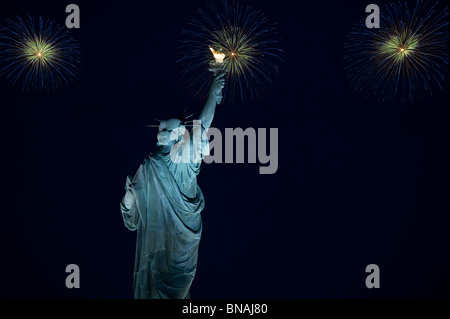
(152,157)
(147,163)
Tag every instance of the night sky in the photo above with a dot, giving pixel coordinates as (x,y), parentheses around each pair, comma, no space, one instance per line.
(358,182)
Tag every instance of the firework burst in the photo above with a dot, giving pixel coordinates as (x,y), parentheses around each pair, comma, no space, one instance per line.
(241,40)
(37,54)
(406,57)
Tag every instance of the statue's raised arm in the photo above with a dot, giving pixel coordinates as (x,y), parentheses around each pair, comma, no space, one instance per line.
(214,98)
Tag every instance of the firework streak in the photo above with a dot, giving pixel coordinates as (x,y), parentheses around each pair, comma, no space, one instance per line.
(406,57)
(245,39)
(37,54)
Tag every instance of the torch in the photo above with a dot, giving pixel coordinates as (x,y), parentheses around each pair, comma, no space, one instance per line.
(216,65)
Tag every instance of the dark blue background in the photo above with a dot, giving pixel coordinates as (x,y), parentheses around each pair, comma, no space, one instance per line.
(358,182)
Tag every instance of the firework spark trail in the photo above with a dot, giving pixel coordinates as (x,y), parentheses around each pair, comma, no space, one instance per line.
(39,54)
(407,55)
(245,38)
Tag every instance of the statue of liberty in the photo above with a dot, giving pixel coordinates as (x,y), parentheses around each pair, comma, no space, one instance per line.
(163,203)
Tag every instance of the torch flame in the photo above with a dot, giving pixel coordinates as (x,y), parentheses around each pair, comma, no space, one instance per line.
(217,55)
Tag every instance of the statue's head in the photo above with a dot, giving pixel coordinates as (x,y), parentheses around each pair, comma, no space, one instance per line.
(170,131)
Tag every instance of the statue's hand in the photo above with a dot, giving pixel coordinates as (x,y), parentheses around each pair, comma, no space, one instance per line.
(217,85)
(128,199)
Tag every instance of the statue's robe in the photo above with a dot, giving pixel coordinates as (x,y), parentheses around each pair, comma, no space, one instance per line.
(166,214)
